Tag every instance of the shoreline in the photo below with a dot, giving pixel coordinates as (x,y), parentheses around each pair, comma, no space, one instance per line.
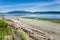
(55,20)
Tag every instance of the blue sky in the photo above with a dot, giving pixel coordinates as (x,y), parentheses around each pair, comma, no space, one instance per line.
(29,5)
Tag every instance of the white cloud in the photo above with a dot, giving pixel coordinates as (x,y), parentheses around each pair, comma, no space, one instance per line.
(34,4)
(31,6)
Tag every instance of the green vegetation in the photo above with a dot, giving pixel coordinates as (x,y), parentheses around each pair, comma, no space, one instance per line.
(4,29)
(50,19)
(56,20)
(22,36)
(29,17)
(20,33)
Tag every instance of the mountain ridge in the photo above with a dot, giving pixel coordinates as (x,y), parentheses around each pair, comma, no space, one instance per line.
(34,12)
(27,12)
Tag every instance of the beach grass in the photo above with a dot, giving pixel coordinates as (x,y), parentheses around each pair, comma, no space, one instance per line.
(20,33)
(3,29)
(22,36)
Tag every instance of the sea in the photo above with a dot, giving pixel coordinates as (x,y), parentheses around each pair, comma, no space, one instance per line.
(42,15)
(36,15)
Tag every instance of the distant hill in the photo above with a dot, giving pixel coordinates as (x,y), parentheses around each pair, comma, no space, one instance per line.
(27,12)
(48,12)
(19,12)
(16,13)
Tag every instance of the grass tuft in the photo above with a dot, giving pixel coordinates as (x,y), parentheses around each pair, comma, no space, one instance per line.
(22,36)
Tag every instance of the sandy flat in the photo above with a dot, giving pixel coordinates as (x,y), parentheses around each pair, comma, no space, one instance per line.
(46,26)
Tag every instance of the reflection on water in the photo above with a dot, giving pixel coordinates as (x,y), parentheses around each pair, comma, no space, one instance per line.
(43,15)
(35,15)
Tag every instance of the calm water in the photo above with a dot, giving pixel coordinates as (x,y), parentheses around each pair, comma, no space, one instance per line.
(43,15)
(36,15)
